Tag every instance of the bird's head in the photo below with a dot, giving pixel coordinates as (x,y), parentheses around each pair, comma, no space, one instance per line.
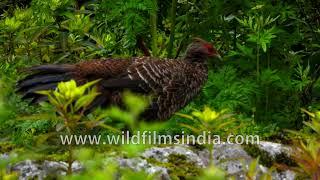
(201,50)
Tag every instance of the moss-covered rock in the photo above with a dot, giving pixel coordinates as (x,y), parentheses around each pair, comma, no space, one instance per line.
(6,147)
(266,158)
(254,151)
(178,166)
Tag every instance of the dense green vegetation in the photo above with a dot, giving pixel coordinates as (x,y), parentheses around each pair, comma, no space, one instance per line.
(270,69)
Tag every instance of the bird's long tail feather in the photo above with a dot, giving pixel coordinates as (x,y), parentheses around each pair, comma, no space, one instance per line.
(43,77)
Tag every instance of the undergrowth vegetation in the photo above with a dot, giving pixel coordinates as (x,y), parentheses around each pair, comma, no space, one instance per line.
(270,71)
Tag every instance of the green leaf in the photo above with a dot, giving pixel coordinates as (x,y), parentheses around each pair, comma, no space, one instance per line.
(264,47)
(43,92)
(53,101)
(89,84)
(252,171)
(85,100)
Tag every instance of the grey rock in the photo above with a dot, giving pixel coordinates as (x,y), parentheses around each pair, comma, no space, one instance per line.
(284,175)
(274,149)
(4,156)
(230,157)
(204,155)
(29,169)
(138,164)
(162,154)
(235,160)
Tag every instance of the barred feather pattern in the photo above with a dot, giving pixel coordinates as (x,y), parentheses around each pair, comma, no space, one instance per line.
(173,83)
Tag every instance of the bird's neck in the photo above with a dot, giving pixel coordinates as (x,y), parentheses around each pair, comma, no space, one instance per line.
(197,62)
(195,58)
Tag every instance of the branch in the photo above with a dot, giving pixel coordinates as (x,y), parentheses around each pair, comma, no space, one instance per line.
(307,92)
(141,45)
(173,27)
(153,25)
(181,45)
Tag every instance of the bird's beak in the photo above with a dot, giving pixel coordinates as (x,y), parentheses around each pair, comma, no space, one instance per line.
(218,56)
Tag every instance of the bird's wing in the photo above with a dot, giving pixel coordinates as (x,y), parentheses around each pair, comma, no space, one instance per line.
(165,80)
(173,97)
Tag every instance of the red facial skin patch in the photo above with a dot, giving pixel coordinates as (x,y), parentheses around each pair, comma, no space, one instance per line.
(210,48)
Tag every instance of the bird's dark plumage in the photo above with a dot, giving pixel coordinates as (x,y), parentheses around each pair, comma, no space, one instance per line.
(171,83)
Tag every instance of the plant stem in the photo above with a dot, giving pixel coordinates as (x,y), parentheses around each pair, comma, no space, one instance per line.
(70,159)
(258,62)
(27,46)
(153,19)
(235,38)
(211,155)
(267,87)
(11,46)
(173,27)
(256,117)
(70,147)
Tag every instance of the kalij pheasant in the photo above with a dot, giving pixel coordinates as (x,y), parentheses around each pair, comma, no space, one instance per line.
(171,83)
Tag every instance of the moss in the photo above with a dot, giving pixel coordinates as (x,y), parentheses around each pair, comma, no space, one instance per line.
(254,151)
(301,176)
(6,147)
(57,157)
(267,160)
(178,167)
(283,158)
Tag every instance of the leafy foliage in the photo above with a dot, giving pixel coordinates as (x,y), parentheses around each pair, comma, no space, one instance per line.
(209,120)
(224,90)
